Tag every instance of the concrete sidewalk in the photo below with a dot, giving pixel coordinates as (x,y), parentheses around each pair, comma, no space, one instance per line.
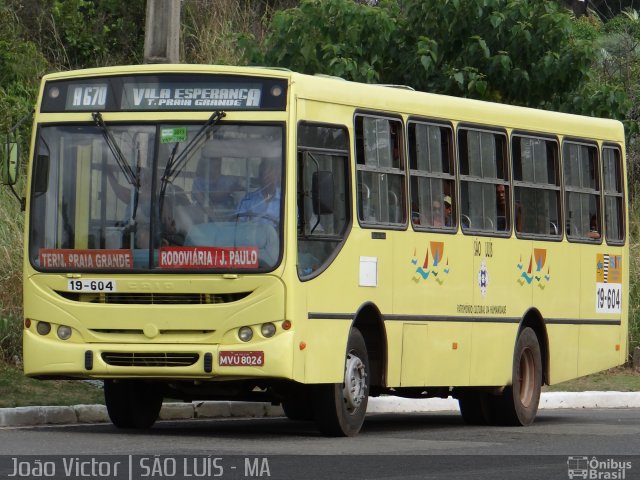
(29,416)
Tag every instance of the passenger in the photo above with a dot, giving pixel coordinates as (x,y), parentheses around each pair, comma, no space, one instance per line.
(437,214)
(594,231)
(448,211)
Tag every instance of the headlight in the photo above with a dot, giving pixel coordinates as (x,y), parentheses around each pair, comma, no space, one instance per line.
(268,330)
(245,334)
(43,328)
(64,332)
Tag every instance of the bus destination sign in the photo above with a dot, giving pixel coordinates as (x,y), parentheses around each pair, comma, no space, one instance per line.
(148,96)
(165,93)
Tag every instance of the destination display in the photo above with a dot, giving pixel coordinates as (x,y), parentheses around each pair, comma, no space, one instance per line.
(165,93)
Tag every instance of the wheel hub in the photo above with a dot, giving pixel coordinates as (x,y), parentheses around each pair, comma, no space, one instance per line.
(355,382)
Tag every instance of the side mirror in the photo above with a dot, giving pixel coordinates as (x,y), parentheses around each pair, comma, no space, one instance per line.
(9,163)
(322,193)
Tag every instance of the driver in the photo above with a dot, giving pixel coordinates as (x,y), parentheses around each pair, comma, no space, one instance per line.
(264,202)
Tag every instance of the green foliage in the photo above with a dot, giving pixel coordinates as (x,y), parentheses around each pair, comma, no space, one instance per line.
(84,33)
(21,66)
(10,340)
(334,37)
(500,50)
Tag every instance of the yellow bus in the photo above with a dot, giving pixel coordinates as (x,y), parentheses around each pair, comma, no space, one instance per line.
(212,232)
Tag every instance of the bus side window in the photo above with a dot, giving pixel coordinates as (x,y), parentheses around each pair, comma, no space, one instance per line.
(380,171)
(323,193)
(536,185)
(432,181)
(582,191)
(614,214)
(484,186)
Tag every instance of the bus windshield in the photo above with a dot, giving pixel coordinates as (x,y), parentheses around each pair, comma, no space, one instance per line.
(165,197)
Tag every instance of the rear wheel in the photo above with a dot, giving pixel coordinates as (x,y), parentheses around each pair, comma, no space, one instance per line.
(132,404)
(518,404)
(340,408)
(473,406)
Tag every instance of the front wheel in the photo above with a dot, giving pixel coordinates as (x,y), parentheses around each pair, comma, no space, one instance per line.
(132,404)
(340,408)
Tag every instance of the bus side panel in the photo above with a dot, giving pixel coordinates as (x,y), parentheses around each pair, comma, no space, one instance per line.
(497,311)
(598,348)
(600,345)
(433,276)
(563,352)
(555,269)
(492,354)
(436,354)
(323,346)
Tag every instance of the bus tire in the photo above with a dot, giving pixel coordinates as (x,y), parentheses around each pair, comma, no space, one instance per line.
(473,407)
(340,408)
(518,404)
(132,404)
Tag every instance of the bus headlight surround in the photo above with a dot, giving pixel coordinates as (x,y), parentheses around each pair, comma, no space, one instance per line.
(245,334)
(268,330)
(64,332)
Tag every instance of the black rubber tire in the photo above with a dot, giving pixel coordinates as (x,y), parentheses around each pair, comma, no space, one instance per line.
(474,407)
(338,413)
(518,404)
(132,404)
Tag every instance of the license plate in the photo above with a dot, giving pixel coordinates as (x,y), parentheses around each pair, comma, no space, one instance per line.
(241,359)
(90,285)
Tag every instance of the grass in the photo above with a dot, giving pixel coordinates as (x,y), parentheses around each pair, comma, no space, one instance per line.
(16,390)
(619,379)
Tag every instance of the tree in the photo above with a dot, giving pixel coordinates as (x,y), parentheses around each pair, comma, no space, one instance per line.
(335,37)
(523,52)
(84,33)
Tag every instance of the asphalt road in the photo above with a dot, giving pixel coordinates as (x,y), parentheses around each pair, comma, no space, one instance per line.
(427,445)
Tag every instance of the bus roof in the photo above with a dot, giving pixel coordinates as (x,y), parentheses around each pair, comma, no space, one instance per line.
(393,100)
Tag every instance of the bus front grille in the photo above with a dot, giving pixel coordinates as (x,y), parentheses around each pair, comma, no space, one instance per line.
(155,298)
(154,359)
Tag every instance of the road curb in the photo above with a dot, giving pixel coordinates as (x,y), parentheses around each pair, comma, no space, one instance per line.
(79,414)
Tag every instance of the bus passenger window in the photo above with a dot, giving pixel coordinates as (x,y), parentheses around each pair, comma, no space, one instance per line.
(536,185)
(380,171)
(485,195)
(613,195)
(432,181)
(582,191)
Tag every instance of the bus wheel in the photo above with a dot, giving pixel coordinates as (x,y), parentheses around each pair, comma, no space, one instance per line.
(340,408)
(132,404)
(473,407)
(518,404)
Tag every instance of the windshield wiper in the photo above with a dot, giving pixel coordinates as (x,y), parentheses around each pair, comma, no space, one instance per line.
(175,164)
(129,174)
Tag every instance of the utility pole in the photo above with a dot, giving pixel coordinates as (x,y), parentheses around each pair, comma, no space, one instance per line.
(162,32)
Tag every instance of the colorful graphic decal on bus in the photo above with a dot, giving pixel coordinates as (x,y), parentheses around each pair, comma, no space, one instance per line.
(483,278)
(608,283)
(76,259)
(538,271)
(208,257)
(432,266)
